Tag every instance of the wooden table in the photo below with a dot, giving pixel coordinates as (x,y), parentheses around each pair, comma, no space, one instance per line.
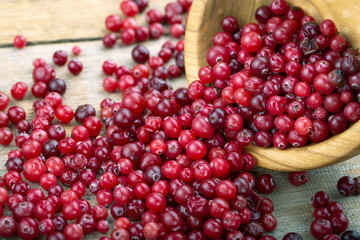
(60,24)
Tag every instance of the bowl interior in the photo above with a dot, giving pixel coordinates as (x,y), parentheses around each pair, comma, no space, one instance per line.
(205,21)
(206,15)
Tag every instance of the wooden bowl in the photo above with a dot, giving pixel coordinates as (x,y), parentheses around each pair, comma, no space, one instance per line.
(205,20)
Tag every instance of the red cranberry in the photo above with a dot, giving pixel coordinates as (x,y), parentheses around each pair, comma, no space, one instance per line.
(60,57)
(265,183)
(7,226)
(320,228)
(20,42)
(346,185)
(75,66)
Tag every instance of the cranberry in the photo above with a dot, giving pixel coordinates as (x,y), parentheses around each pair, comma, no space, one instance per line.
(109,40)
(4,101)
(71,210)
(140,54)
(212,228)
(129,8)
(20,42)
(18,90)
(350,234)
(46,226)
(320,227)
(16,114)
(7,226)
(346,185)
(6,136)
(102,226)
(320,199)
(44,73)
(339,222)
(28,228)
(265,183)
(73,231)
(298,178)
(60,57)
(76,50)
(75,66)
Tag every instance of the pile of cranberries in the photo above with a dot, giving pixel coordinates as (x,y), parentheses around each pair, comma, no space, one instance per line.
(290,79)
(329,218)
(170,164)
(129,30)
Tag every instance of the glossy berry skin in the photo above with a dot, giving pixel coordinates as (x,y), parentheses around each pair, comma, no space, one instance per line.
(6,136)
(113,23)
(44,209)
(73,231)
(212,228)
(265,184)
(28,228)
(43,73)
(350,235)
(226,190)
(46,226)
(71,210)
(60,57)
(75,66)
(292,236)
(4,196)
(20,42)
(346,185)
(140,54)
(269,222)
(8,226)
(251,41)
(57,85)
(339,222)
(320,199)
(64,114)
(155,202)
(129,8)
(33,170)
(298,178)
(18,90)
(320,228)
(4,101)
(302,125)
(76,50)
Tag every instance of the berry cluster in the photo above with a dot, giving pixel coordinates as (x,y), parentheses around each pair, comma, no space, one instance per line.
(291,79)
(171,164)
(138,76)
(131,32)
(329,218)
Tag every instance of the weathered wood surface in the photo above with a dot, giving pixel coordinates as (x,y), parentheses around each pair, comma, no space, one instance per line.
(292,204)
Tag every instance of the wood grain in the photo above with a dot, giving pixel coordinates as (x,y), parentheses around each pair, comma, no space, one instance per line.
(59,20)
(205,21)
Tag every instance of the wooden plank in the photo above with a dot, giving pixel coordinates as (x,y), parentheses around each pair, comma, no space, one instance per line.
(40,20)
